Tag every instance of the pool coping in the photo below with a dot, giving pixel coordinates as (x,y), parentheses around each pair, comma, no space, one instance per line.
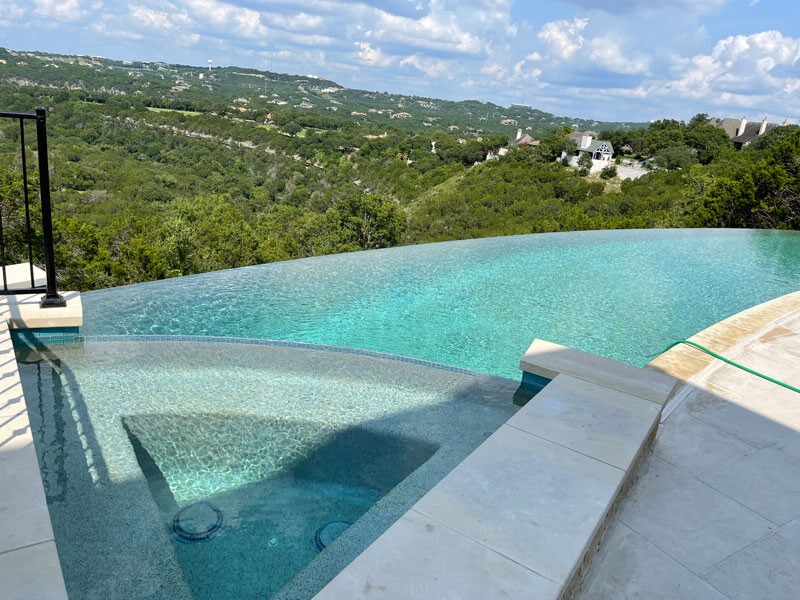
(29,562)
(689,365)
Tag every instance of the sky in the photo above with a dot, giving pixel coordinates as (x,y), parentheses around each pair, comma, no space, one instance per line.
(620,60)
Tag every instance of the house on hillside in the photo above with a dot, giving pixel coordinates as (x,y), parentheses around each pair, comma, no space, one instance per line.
(741,132)
(522,140)
(600,151)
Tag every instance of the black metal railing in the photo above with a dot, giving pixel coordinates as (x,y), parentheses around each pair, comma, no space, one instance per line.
(51,296)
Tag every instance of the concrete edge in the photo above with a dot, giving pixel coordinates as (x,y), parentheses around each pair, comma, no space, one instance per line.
(574,584)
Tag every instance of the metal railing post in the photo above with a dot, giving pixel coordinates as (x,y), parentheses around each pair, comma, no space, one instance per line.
(51,297)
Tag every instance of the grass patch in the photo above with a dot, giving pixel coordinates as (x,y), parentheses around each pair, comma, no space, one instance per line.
(190,113)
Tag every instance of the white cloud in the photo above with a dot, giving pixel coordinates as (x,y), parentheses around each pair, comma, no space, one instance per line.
(117,33)
(431,67)
(10,12)
(299,21)
(156,19)
(237,20)
(740,65)
(522,71)
(493,70)
(62,10)
(372,56)
(606,54)
(564,37)
(700,7)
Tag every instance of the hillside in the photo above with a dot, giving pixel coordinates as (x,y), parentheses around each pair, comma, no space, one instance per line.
(222,90)
(152,182)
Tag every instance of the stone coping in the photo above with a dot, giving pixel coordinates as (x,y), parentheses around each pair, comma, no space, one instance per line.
(29,564)
(689,365)
(523,514)
(22,311)
(547,359)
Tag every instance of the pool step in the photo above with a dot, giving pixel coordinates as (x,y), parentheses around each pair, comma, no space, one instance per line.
(522,516)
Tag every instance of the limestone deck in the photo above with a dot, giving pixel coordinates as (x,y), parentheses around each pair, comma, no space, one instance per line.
(715,512)
(29,565)
(521,516)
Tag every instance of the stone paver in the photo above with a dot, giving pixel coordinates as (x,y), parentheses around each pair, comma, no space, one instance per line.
(716,511)
(602,423)
(412,570)
(765,569)
(32,573)
(24,519)
(695,524)
(772,477)
(695,446)
(548,360)
(29,564)
(637,569)
(529,499)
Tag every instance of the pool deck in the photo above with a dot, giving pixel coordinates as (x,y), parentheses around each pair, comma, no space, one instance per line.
(715,512)
(29,565)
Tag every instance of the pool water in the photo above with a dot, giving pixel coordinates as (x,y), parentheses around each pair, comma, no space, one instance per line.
(477,304)
(292,460)
(282,487)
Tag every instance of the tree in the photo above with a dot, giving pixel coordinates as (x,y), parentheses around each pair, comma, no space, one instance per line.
(585,163)
(292,128)
(709,142)
(553,145)
(675,157)
(369,221)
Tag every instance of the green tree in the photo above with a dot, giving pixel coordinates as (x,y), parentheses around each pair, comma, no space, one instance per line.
(585,162)
(675,157)
(369,221)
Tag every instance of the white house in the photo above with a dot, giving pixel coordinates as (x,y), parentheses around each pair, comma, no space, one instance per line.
(601,152)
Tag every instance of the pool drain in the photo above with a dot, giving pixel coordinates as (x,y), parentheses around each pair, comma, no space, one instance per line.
(198,522)
(328,533)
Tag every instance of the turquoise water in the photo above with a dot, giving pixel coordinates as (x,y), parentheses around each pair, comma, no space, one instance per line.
(290,445)
(477,304)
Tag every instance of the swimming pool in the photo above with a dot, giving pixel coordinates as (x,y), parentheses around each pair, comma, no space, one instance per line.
(224,471)
(477,304)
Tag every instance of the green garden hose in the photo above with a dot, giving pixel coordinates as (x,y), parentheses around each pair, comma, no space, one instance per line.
(737,365)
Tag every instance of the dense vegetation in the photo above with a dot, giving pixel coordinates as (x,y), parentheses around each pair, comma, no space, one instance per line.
(147,184)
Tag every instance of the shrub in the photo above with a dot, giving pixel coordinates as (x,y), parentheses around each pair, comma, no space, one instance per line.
(609,172)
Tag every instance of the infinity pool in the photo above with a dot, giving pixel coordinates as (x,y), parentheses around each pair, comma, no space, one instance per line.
(477,304)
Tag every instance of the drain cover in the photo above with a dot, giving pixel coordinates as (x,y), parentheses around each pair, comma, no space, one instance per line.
(328,533)
(198,522)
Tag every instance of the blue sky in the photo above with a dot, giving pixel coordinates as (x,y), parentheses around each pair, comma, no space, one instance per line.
(623,60)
